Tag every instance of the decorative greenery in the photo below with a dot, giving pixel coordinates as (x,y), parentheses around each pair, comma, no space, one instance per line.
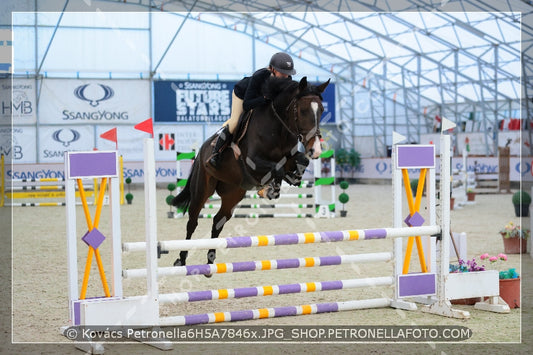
(171,187)
(472,266)
(414,185)
(470,191)
(169,199)
(128,182)
(521,198)
(509,274)
(344,185)
(343,198)
(347,159)
(514,231)
(129,197)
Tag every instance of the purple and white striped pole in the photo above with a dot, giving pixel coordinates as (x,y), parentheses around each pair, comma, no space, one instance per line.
(275,264)
(287,239)
(234,316)
(208,295)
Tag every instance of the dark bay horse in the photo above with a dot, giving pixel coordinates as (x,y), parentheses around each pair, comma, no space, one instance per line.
(267,153)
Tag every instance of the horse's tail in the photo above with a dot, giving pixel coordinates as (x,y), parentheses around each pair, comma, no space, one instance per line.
(183,199)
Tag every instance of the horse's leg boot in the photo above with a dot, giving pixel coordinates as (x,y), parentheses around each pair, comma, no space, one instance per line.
(223,138)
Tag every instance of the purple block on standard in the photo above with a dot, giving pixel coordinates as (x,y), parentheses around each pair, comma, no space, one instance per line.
(93,238)
(416,220)
(415,156)
(91,164)
(422,284)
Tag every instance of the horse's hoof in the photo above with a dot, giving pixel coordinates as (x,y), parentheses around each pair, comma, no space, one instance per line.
(178,263)
(208,275)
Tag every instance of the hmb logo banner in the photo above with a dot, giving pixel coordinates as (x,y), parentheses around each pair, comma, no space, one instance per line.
(17,101)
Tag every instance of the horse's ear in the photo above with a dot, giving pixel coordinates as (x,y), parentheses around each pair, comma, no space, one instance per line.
(323,86)
(303,84)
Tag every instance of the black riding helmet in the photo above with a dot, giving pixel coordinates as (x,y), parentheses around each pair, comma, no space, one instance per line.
(283,63)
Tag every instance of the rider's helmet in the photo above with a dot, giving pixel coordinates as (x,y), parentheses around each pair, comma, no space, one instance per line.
(283,63)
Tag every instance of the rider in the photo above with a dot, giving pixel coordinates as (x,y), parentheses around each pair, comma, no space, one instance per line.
(247,95)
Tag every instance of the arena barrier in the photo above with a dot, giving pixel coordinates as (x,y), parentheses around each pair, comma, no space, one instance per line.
(46,191)
(434,285)
(319,202)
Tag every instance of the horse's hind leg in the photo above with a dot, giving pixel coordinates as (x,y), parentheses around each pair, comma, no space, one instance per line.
(194,211)
(229,200)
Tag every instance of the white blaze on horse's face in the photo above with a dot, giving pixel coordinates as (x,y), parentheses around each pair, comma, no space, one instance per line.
(316,149)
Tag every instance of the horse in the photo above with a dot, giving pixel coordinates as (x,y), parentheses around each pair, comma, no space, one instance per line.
(266,154)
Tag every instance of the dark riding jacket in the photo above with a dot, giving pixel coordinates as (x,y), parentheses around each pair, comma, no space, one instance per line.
(249,89)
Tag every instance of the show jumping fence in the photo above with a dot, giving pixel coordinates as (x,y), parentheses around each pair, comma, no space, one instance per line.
(434,285)
(315,202)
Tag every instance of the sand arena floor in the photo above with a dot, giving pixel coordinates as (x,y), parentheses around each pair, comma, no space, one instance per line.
(39,276)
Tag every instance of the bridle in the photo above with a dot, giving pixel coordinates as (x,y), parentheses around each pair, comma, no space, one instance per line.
(294,104)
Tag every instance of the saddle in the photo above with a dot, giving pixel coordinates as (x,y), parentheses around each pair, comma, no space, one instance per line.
(240,132)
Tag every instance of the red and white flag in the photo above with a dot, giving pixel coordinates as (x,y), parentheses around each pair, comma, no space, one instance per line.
(111,135)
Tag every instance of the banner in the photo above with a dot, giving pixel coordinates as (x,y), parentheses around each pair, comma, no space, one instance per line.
(328,101)
(54,141)
(6,45)
(166,170)
(17,101)
(94,101)
(192,101)
(18,144)
(209,101)
(172,138)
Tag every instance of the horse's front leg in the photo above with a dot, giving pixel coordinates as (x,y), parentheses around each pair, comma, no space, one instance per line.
(295,168)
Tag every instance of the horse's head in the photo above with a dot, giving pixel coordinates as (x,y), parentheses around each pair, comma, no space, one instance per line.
(306,109)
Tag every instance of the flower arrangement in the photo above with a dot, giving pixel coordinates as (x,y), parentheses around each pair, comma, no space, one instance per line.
(514,231)
(472,266)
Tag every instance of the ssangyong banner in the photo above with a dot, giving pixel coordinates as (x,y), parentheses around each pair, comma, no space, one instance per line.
(209,101)
(192,101)
(54,141)
(17,101)
(94,101)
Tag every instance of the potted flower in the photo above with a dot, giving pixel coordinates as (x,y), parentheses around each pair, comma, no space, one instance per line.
(510,287)
(466,266)
(507,279)
(470,195)
(521,202)
(514,238)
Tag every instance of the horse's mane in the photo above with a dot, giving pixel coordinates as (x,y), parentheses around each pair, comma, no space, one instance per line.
(275,86)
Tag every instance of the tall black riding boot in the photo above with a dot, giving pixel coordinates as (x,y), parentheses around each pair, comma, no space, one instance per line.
(223,138)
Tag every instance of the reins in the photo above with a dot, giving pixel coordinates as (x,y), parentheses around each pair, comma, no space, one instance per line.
(294,103)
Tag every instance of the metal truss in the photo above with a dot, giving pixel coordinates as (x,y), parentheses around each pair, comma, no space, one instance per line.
(411,59)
